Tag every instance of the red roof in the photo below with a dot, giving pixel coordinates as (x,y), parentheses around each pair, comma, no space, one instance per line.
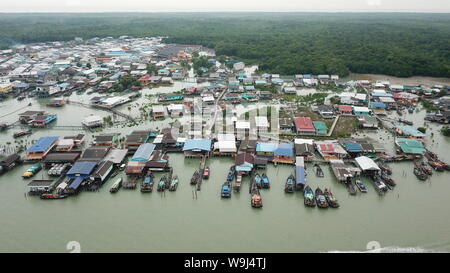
(327,148)
(146,77)
(304,124)
(345,108)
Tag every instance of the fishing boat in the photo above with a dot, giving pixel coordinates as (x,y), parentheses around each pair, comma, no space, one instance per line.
(195,177)
(385,168)
(361,187)
(130,184)
(226,190)
(22,133)
(425,168)
(238,182)
(321,200)
(30,172)
(265,181)
(420,173)
(51,196)
(258,181)
(407,122)
(289,186)
(256,200)
(116,186)
(147,184)
(206,173)
(231,173)
(319,171)
(350,187)
(380,187)
(174,183)
(308,197)
(162,184)
(435,163)
(386,179)
(332,201)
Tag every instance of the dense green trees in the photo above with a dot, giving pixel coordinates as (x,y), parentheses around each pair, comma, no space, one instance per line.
(398,44)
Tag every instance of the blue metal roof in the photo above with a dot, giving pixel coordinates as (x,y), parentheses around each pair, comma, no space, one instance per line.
(410,131)
(144,152)
(284,149)
(197,144)
(42,144)
(377,105)
(300,178)
(83,168)
(352,147)
(267,147)
(76,183)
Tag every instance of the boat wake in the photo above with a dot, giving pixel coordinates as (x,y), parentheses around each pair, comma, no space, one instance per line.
(390,249)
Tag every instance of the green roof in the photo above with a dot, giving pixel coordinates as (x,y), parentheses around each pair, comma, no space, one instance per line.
(410,146)
(321,127)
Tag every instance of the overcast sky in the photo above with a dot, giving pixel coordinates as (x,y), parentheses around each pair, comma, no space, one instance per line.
(224,5)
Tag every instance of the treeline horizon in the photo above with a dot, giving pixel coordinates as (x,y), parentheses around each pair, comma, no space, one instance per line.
(397,44)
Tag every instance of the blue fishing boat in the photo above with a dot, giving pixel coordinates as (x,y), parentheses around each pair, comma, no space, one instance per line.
(226,190)
(360,185)
(289,186)
(258,181)
(265,181)
(147,184)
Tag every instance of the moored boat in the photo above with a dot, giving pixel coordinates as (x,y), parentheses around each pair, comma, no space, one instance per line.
(226,190)
(386,179)
(385,168)
(289,186)
(256,200)
(174,183)
(332,201)
(258,181)
(361,187)
(265,181)
(147,184)
(419,173)
(321,200)
(308,197)
(30,172)
(51,196)
(162,184)
(231,173)
(116,185)
(195,177)
(22,133)
(319,171)
(206,173)
(425,168)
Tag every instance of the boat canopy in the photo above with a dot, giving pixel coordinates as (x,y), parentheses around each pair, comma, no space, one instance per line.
(300,178)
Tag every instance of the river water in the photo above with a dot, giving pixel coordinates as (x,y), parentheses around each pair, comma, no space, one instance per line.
(412,217)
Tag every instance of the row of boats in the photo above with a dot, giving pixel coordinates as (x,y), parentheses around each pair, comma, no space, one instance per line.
(166,182)
(319,198)
(196,177)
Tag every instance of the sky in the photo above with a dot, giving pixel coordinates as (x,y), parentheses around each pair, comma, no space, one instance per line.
(224,5)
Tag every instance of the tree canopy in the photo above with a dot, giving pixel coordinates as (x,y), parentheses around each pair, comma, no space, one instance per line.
(398,44)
